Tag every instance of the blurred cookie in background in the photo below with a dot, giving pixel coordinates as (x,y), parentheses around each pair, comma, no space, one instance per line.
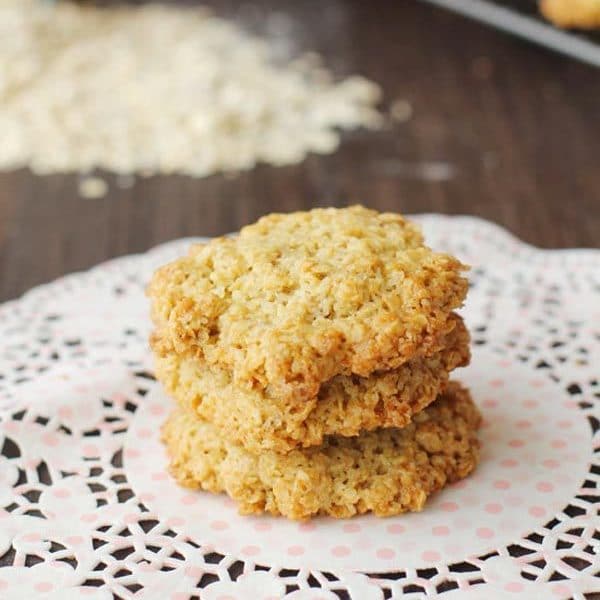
(578,14)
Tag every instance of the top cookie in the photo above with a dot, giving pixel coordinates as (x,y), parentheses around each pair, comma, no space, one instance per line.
(296,299)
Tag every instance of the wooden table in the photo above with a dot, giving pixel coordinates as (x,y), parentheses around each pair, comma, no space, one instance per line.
(500,129)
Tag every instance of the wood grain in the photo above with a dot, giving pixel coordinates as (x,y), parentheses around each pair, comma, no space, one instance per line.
(500,129)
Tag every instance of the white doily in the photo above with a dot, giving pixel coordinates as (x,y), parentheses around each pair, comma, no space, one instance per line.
(87,511)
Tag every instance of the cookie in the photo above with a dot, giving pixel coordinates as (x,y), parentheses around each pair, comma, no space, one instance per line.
(345,405)
(296,299)
(581,14)
(387,472)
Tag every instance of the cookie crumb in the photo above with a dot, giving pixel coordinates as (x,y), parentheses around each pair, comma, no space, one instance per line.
(92,187)
(401,111)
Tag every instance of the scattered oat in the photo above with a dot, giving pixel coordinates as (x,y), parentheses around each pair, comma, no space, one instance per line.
(401,111)
(92,187)
(161,89)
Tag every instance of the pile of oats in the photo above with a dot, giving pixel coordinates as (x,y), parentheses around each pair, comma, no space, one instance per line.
(157,89)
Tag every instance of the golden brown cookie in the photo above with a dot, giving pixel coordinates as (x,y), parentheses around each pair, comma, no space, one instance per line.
(296,299)
(345,405)
(579,14)
(387,472)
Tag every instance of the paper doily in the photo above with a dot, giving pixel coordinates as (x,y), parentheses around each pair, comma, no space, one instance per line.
(86,509)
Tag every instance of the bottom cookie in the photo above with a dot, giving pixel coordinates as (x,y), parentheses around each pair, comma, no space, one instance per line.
(387,472)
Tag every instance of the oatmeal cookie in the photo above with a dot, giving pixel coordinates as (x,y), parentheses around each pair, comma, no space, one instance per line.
(345,405)
(388,471)
(582,14)
(296,299)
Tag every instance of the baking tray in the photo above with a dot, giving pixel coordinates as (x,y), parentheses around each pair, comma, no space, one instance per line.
(522,18)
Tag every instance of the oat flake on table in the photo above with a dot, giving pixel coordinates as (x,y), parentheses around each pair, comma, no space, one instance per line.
(159,89)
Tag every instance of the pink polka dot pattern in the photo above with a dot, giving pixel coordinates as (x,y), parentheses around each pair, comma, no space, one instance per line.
(10,426)
(74,540)
(544,486)
(43,587)
(263,526)
(89,518)
(485,533)
(50,439)
(440,530)
(537,511)
(449,506)
(514,586)
(250,550)
(560,589)
(65,412)
(341,551)
(395,528)
(296,550)
(132,453)
(493,508)
(386,553)
(430,556)
(194,571)
(501,484)
(189,499)
(351,527)
(219,525)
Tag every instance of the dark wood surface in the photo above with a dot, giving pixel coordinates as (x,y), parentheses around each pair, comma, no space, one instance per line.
(515,128)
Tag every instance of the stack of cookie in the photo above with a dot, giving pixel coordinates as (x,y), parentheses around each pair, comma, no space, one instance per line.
(309,358)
